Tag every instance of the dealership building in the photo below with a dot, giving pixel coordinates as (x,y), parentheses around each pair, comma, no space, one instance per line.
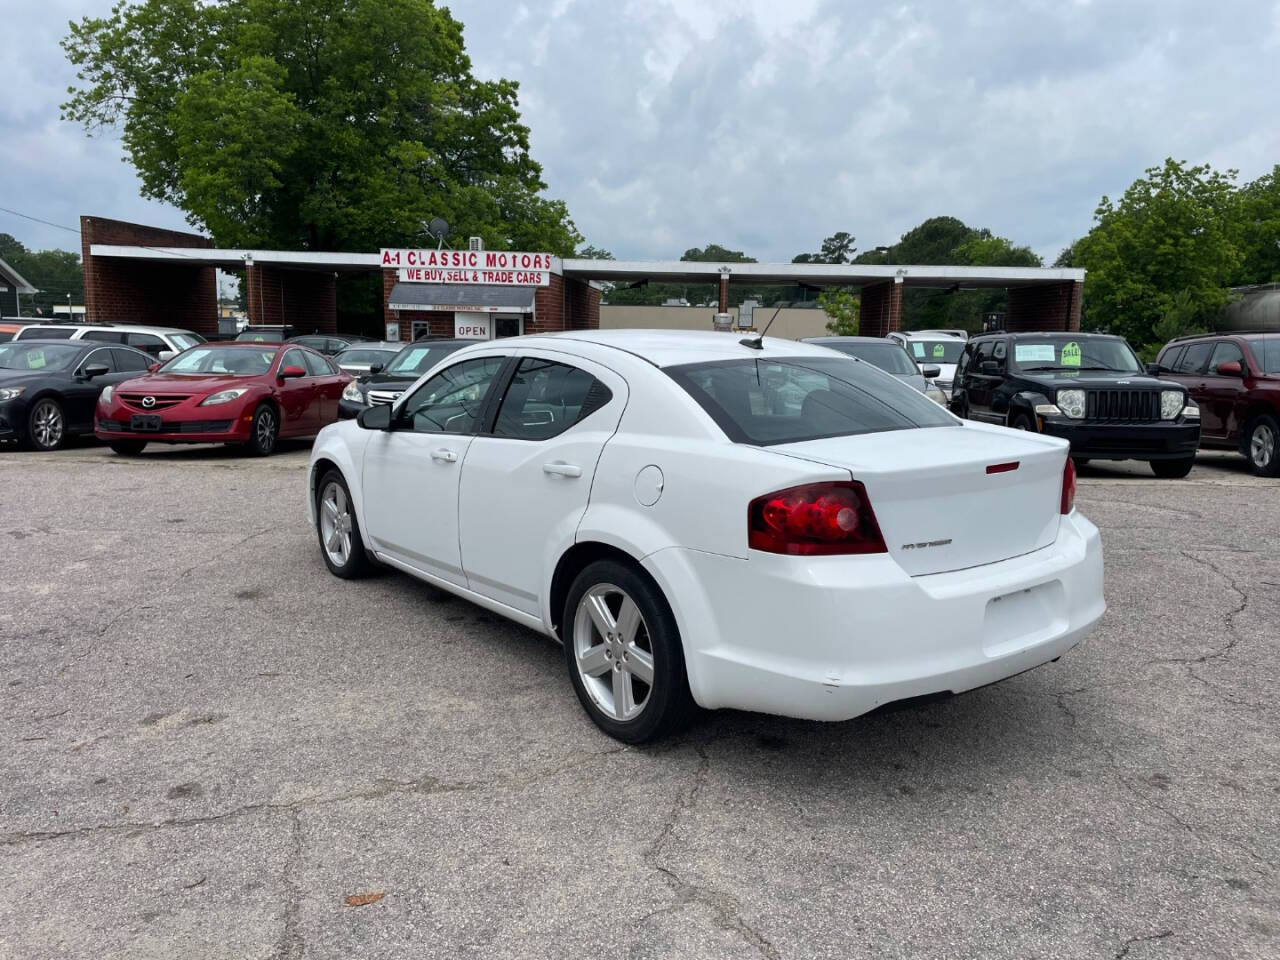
(140,274)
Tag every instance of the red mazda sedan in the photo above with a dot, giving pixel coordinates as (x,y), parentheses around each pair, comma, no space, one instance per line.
(241,393)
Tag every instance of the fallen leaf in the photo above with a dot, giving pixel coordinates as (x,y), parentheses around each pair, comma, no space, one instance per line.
(363,899)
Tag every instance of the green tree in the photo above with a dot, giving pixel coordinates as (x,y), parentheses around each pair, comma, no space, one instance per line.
(1258,230)
(1180,320)
(321,124)
(842,306)
(54,273)
(837,248)
(1173,233)
(714,253)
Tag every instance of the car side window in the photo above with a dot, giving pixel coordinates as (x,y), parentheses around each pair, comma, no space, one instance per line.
(452,400)
(148,343)
(966,357)
(317,365)
(106,336)
(294,358)
(1169,359)
(1194,360)
(1226,351)
(998,351)
(130,361)
(100,356)
(546,398)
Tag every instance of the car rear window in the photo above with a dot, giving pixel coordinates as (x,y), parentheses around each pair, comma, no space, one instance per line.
(1266,350)
(888,356)
(768,401)
(937,351)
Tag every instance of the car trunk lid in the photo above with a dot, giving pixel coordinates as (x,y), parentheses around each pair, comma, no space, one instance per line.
(948,498)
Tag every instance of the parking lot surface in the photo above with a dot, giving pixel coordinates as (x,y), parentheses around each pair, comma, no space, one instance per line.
(210,744)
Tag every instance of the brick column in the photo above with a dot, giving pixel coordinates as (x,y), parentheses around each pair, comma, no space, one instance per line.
(881,311)
(306,299)
(724,293)
(162,294)
(1047,307)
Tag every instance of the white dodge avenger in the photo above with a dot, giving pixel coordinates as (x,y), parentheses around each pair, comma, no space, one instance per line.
(757,524)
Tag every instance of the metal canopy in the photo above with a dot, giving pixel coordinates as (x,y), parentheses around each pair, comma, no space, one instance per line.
(460,296)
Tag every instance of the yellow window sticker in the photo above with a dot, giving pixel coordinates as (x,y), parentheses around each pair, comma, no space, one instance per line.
(1070,354)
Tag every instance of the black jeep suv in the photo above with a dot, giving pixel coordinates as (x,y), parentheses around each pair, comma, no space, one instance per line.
(1084,387)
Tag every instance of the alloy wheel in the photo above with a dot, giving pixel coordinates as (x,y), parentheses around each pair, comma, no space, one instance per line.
(613,652)
(265,431)
(335,524)
(46,424)
(1262,445)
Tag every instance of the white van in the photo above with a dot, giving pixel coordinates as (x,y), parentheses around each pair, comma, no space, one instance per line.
(163,343)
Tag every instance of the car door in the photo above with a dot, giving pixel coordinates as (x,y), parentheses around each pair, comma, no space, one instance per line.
(960,385)
(297,395)
(981,384)
(81,395)
(525,483)
(1188,370)
(410,472)
(1222,393)
(328,389)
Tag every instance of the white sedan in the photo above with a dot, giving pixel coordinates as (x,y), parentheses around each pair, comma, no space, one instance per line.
(704,521)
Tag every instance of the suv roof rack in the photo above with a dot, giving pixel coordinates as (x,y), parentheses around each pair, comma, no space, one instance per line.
(1226,333)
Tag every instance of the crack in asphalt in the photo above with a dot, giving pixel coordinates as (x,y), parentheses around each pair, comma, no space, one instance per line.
(1229,619)
(1132,941)
(727,909)
(292,944)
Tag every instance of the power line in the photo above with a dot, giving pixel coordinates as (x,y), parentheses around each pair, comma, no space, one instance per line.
(47,223)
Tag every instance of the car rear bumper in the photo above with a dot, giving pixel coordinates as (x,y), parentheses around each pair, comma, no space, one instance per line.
(1168,440)
(176,431)
(830,638)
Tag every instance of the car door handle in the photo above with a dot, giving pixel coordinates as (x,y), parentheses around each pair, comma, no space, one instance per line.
(443,455)
(559,469)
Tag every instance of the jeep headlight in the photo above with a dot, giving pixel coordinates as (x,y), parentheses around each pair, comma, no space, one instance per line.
(352,392)
(1171,403)
(224,396)
(1071,403)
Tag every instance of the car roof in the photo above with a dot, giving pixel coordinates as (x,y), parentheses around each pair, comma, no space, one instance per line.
(668,348)
(120,327)
(928,334)
(373,345)
(883,341)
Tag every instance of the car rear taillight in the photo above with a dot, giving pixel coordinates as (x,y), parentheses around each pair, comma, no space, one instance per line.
(814,520)
(1068,487)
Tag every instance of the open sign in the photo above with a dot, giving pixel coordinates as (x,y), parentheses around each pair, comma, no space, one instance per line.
(472,326)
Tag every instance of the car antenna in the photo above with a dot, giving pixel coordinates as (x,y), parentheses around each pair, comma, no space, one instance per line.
(758,342)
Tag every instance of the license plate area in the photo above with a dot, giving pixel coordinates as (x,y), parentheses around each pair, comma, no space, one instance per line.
(145,422)
(1024,618)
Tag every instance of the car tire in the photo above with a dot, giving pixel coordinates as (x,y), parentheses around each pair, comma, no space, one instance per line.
(1020,421)
(1173,469)
(338,529)
(46,425)
(610,652)
(263,431)
(1262,445)
(128,448)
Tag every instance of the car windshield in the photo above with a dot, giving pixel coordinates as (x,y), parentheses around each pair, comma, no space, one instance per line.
(186,340)
(791,399)
(37,356)
(936,351)
(260,336)
(419,358)
(1266,350)
(364,357)
(206,360)
(1069,353)
(887,356)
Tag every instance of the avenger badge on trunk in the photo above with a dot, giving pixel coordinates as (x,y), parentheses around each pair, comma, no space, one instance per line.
(925,544)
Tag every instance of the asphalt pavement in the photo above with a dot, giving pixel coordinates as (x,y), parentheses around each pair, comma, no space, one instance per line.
(208,745)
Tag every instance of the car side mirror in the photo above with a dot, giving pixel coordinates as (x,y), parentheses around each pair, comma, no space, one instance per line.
(377,417)
(931,371)
(1230,369)
(989,367)
(292,372)
(166,355)
(1154,369)
(94,370)
(153,368)
(375,368)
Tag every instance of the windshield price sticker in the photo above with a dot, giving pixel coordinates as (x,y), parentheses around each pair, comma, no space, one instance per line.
(1033,352)
(918,350)
(1071,354)
(939,349)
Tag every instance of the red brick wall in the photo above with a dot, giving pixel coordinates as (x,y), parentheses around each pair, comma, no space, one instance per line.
(549,304)
(306,299)
(881,311)
(138,291)
(1045,307)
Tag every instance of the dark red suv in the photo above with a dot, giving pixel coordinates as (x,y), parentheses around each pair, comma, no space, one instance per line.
(1235,380)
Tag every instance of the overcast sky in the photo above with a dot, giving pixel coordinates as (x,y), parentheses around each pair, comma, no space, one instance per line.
(765,125)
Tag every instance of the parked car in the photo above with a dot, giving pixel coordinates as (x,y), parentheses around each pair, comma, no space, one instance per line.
(48,388)
(266,334)
(938,347)
(11,325)
(891,357)
(1087,388)
(404,368)
(327,344)
(644,497)
(1235,380)
(361,359)
(238,393)
(162,343)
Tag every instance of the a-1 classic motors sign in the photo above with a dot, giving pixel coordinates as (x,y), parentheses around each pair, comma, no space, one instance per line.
(492,267)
